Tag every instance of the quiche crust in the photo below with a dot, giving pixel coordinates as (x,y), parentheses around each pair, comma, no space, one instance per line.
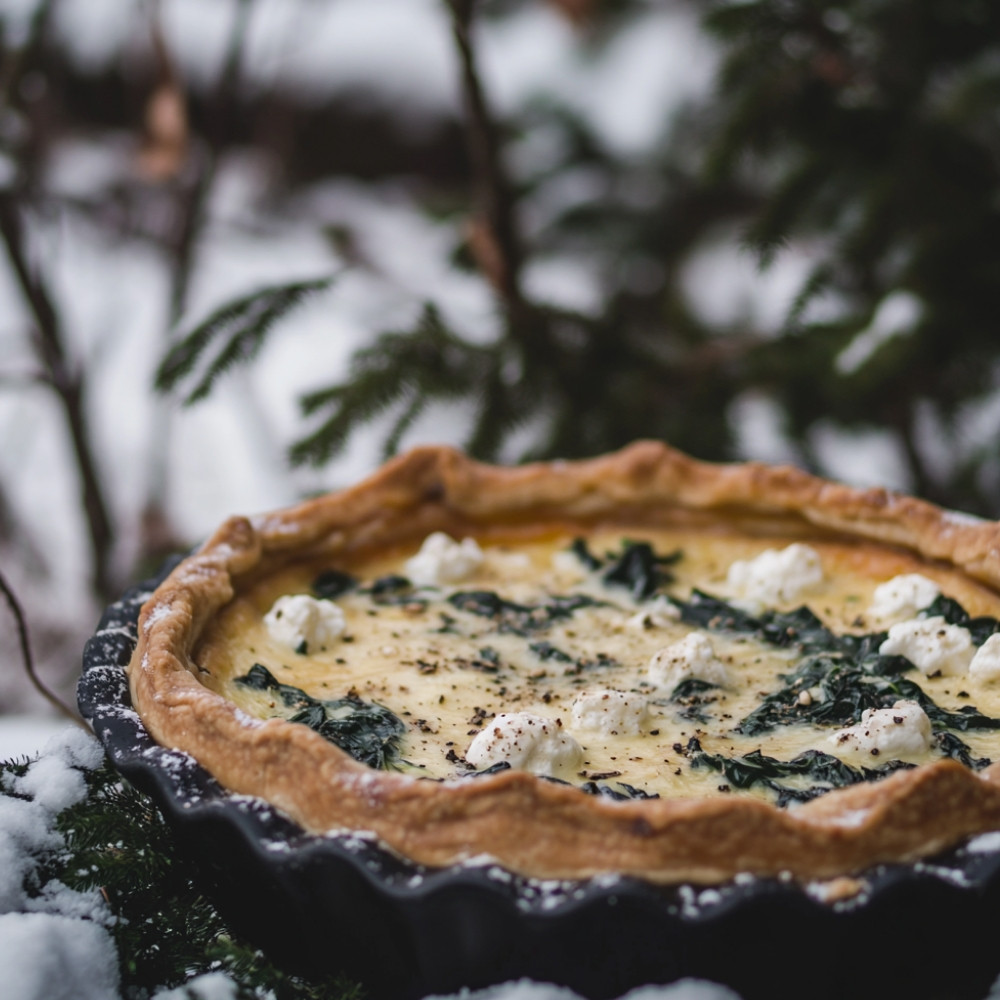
(530,825)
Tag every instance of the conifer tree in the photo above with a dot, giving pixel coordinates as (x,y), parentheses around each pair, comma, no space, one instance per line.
(865,129)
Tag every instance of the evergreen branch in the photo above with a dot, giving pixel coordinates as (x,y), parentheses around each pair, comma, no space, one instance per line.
(769,232)
(820,279)
(243,324)
(352,403)
(420,365)
(167,931)
(496,417)
(403,423)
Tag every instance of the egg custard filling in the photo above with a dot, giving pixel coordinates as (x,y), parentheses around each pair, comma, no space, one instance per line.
(640,664)
(632,665)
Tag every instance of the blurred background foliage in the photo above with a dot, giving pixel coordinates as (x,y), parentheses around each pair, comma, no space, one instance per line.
(534,228)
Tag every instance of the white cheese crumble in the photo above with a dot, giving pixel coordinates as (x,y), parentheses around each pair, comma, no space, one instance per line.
(931,645)
(693,658)
(443,560)
(526,742)
(295,619)
(901,731)
(985,665)
(610,712)
(776,576)
(902,597)
(657,614)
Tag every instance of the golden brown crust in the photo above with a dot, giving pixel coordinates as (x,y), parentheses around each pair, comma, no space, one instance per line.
(530,825)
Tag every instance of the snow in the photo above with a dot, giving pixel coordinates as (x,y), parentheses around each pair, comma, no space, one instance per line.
(46,956)
(54,941)
(25,735)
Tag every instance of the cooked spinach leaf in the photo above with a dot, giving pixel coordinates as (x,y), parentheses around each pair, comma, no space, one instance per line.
(332,583)
(637,567)
(844,674)
(519,619)
(824,770)
(691,695)
(951,746)
(640,570)
(981,627)
(841,689)
(394,589)
(691,687)
(369,733)
(546,651)
(619,793)
(799,628)
(582,552)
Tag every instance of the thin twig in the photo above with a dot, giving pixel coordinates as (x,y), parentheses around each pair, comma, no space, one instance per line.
(28,660)
(184,239)
(493,190)
(69,388)
(192,216)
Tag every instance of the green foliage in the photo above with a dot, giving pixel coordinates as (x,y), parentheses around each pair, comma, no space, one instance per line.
(405,370)
(862,133)
(241,325)
(166,930)
(370,733)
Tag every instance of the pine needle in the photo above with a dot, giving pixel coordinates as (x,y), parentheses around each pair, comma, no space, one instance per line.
(242,325)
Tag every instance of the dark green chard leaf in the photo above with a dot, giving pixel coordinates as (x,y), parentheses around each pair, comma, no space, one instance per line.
(369,733)
(951,746)
(519,619)
(800,629)
(619,793)
(582,552)
(640,570)
(691,687)
(691,695)
(637,567)
(824,770)
(846,689)
(953,613)
(546,651)
(393,590)
(332,583)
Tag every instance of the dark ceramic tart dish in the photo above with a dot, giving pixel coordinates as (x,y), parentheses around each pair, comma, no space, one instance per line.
(912,904)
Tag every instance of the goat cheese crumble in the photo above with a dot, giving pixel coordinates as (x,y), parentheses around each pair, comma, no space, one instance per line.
(610,712)
(901,731)
(526,742)
(985,665)
(301,621)
(693,658)
(442,560)
(931,645)
(902,597)
(658,614)
(776,576)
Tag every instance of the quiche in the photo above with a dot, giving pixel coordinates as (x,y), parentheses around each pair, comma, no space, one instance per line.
(640,663)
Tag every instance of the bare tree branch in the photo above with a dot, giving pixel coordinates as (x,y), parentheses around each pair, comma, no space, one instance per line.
(28,660)
(69,387)
(503,254)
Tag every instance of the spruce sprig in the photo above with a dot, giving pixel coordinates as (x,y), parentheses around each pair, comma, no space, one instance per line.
(237,331)
(407,370)
(166,930)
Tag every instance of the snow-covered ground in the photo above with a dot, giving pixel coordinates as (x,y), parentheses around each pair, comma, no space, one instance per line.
(55,942)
